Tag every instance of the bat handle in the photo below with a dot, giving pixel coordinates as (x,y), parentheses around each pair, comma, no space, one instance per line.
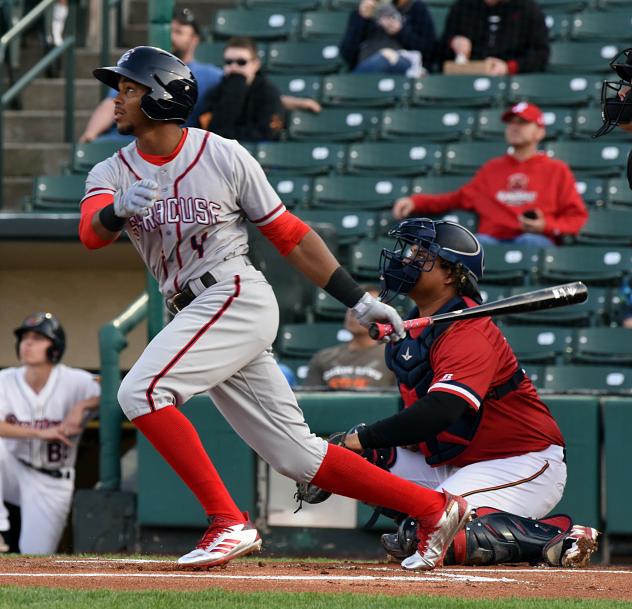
(378,331)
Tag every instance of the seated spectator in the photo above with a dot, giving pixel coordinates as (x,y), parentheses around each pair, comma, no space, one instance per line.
(523,197)
(625,311)
(355,365)
(393,38)
(509,35)
(245,106)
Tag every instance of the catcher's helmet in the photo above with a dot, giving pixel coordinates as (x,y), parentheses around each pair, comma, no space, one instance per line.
(418,244)
(616,103)
(173,87)
(47,325)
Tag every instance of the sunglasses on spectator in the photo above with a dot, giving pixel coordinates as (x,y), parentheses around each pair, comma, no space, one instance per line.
(239,62)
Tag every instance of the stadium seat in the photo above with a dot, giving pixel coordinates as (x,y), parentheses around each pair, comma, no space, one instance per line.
(301,85)
(539,344)
(303,57)
(328,308)
(604,158)
(300,368)
(602,25)
(593,190)
(563,5)
(607,226)
(580,57)
(438,184)
(376,90)
(552,89)
(258,24)
(510,264)
(490,293)
(59,193)
(364,260)
(427,124)
(343,5)
(323,24)
(334,124)
(558,24)
(467,158)
(86,156)
(358,193)
(293,190)
(577,378)
(438,14)
(303,340)
(619,193)
(393,158)
(295,5)
(559,122)
(351,226)
(588,120)
(603,346)
(592,265)
(535,373)
(457,91)
(300,158)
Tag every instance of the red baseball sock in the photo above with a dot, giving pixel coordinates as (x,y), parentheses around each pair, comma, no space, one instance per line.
(346,473)
(175,438)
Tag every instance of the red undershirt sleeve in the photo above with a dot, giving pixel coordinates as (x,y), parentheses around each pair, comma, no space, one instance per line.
(285,232)
(89,207)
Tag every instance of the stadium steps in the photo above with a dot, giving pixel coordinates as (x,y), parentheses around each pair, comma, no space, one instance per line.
(49,94)
(42,126)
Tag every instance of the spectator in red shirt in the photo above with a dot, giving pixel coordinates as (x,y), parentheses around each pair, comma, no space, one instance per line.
(522,197)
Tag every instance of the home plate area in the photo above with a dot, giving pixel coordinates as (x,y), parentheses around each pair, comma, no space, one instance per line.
(248,575)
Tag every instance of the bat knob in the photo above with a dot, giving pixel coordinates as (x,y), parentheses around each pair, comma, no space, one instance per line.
(378,331)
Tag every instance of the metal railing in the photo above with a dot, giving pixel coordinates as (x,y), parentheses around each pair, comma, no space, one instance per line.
(107,6)
(67,49)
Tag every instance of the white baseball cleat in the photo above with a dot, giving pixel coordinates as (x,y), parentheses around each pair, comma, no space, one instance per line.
(224,540)
(572,549)
(435,539)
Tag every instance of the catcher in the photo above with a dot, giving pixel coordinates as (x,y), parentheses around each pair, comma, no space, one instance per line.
(473,423)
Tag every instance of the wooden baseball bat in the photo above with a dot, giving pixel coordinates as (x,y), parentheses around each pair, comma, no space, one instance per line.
(546,298)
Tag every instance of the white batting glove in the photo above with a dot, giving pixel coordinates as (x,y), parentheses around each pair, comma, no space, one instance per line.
(369,309)
(138,198)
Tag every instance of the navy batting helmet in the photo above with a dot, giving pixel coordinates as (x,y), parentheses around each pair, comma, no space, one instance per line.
(419,242)
(47,325)
(173,87)
(616,95)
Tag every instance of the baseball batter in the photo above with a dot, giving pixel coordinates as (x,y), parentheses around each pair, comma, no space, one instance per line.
(43,408)
(184,197)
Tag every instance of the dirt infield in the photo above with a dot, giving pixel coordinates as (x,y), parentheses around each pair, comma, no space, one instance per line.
(345,576)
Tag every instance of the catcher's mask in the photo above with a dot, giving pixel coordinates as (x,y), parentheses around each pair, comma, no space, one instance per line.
(418,243)
(616,98)
(47,325)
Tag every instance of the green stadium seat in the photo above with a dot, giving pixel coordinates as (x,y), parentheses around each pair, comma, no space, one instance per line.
(563,5)
(303,57)
(438,184)
(552,89)
(591,158)
(603,346)
(364,260)
(211,52)
(358,192)
(535,373)
(300,368)
(351,226)
(594,191)
(334,124)
(490,293)
(615,26)
(86,156)
(577,378)
(612,5)
(343,5)
(299,85)
(439,15)
(59,193)
(539,344)
(559,122)
(619,193)
(588,120)
(427,124)
(467,157)
(592,265)
(393,158)
(293,190)
(558,24)
(457,91)
(607,226)
(376,90)
(303,340)
(328,308)
(510,264)
(323,24)
(288,5)
(257,24)
(300,158)
(580,57)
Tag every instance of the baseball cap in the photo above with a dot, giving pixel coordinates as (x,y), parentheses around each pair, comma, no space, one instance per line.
(185,16)
(526,111)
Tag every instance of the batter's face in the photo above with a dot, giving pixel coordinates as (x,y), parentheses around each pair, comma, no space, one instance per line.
(520,133)
(33,347)
(128,116)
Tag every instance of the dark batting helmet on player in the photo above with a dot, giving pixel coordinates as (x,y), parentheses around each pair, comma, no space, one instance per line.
(173,87)
(419,242)
(47,325)
(616,95)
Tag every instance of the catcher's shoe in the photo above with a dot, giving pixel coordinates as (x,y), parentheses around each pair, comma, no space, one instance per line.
(435,538)
(224,540)
(573,548)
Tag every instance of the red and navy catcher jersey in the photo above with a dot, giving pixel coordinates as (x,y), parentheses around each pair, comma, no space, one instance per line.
(469,358)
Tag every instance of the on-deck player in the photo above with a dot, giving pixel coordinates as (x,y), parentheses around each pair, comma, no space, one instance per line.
(43,407)
(184,196)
